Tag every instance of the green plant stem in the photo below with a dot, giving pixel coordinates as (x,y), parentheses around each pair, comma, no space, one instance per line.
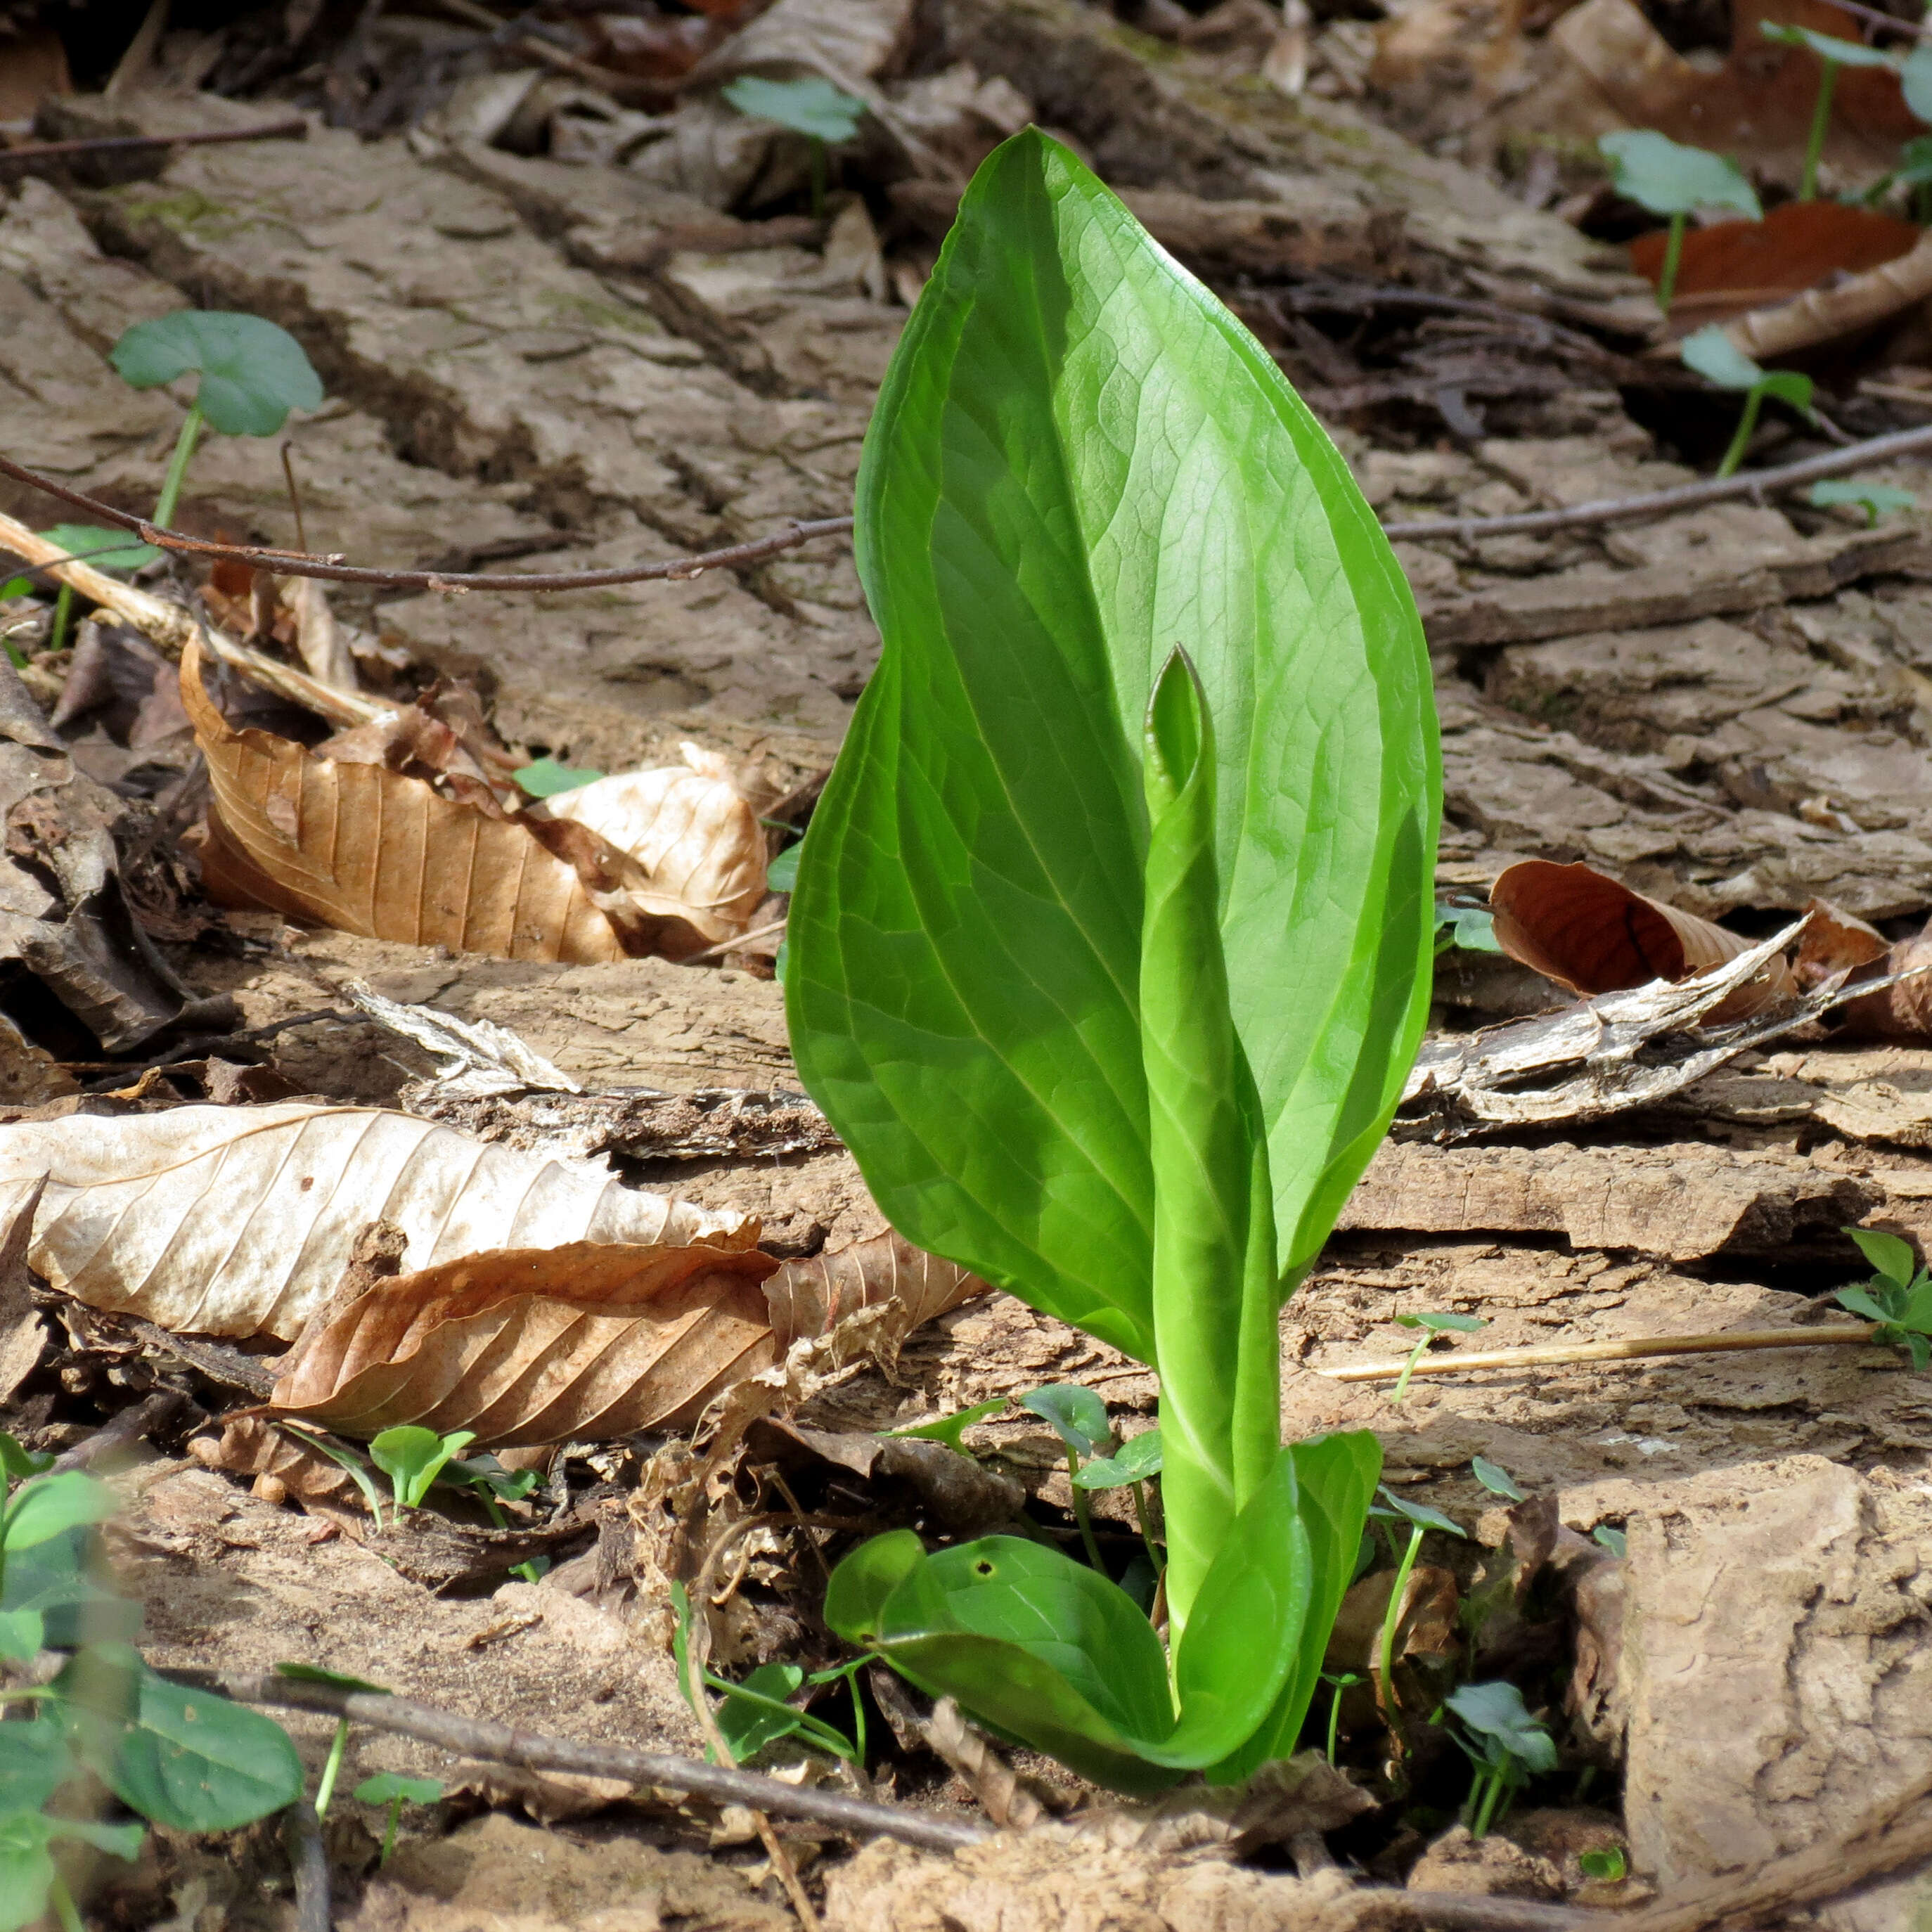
(1821,119)
(1490,1785)
(817,179)
(1391,1617)
(61,1899)
(1334,1719)
(1740,441)
(1082,1513)
(1415,1354)
(171,484)
(389,1836)
(63,617)
(331,1769)
(1673,254)
(1147,1532)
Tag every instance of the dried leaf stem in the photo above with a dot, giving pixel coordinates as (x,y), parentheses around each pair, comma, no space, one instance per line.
(1635,1348)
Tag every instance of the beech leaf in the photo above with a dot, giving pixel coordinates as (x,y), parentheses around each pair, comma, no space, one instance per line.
(810,1297)
(240,1221)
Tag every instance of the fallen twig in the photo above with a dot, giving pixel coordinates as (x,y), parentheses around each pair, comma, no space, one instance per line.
(296,129)
(1685,496)
(124,1430)
(333,570)
(308,1858)
(1635,1348)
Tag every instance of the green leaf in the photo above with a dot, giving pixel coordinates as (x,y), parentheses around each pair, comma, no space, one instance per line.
(1496,1479)
(951,1429)
(313,1673)
(809,105)
(49,1505)
(18,1463)
(1472,928)
(1614,1540)
(485,1472)
(1078,1416)
(1497,1711)
(1914,82)
(1419,1514)
(26,1872)
(1137,1461)
(1862,1301)
(748,1725)
(34,1763)
(386,1786)
(546,777)
(1667,179)
(104,550)
(1891,1255)
(1715,357)
(1876,500)
(781,875)
(252,373)
(1828,46)
(1609,1864)
(15,586)
(21,1634)
(56,1582)
(186,1759)
(1788,386)
(1080,460)
(1439,1322)
(412,1458)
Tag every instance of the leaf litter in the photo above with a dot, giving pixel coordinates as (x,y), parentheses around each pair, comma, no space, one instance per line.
(1750,793)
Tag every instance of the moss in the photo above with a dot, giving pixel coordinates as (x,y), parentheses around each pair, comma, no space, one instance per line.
(189,210)
(598,314)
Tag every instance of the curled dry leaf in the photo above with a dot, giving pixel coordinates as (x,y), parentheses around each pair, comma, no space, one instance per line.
(810,1298)
(23,1335)
(1588,933)
(365,850)
(584,1341)
(223,1221)
(1903,1012)
(697,849)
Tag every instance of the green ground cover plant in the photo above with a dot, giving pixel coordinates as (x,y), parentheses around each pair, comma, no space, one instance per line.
(827,116)
(1112,939)
(1898,1297)
(1670,179)
(1718,359)
(1833,53)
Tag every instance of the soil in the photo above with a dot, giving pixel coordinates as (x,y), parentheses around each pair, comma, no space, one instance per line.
(528,367)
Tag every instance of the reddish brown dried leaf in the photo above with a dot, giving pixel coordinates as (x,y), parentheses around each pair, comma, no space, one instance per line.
(1590,934)
(523,1346)
(808,1298)
(1903,1011)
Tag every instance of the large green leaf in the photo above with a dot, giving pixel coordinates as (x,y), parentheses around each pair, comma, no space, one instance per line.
(253,372)
(1079,460)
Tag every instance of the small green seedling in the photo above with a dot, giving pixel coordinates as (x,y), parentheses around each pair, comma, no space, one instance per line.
(1898,1297)
(1613,1540)
(1133,1465)
(781,875)
(546,777)
(344,1458)
(332,1766)
(1914,171)
(412,1459)
(1669,179)
(1876,500)
(392,1789)
(1112,937)
(1607,1865)
(951,1429)
(1338,1681)
(1496,1479)
(1718,359)
(252,374)
(827,116)
(1432,1323)
(105,549)
(1472,928)
(496,1486)
(1079,1418)
(1834,53)
(188,1760)
(1420,1519)
(1915,83)
(1507,1746)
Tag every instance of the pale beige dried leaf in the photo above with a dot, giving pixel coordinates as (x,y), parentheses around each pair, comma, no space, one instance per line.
(1591,933)
(240,1221)
(810,1298)
(365,850)
(321,641)
(23,1335)
(697,845)
(585,1341)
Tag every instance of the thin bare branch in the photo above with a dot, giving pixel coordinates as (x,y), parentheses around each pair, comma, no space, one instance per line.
(295,129)
(1637,1348)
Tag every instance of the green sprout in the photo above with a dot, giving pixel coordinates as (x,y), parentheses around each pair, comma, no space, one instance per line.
(1715,357)
(1079,1418)
(332,1766)
(1432,1323)
(1607,1864)
(1496,1479)
(392,1789)
(109,550)
(1339,1682)
(1470,928)
(1668,178)
(1834,53)
(1613,1540)
(949,1429)
(252,374)
(1876,500)
(1898,1297)
(545,778)
(825,114)
(1507,1746)
(1111,940)
(412,1458)
(1420,1519)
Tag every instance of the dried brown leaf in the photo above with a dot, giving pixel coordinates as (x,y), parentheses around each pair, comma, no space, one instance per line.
(696,847)
(365,850)
(811,1297)
(1903,1011)
(282,1467)
(219,1221)
(1587,932)
(23,1335)
(586,1340)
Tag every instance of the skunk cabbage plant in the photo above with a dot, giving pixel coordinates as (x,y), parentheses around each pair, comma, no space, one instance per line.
(1110,944)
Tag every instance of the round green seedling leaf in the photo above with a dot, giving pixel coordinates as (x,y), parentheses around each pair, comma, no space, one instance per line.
(1497,1711)
(1876,500)
(26,1870)
(1496,1479)
(1718,359)
(18,1463)
(1669,178)
(252,373)
(1420,1514)
(781,876)
(810,105)
(192,1761)
(1915,83)
(1890,1254)
(313,1673)
(48,1505)
(386,1786)
(102,550)
(34,1762)
(1078,1416)
(1827,46)
(21,1634)
(545,778)
(1788,386)
(949,1429)
(746,1724)
(1138,1461)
